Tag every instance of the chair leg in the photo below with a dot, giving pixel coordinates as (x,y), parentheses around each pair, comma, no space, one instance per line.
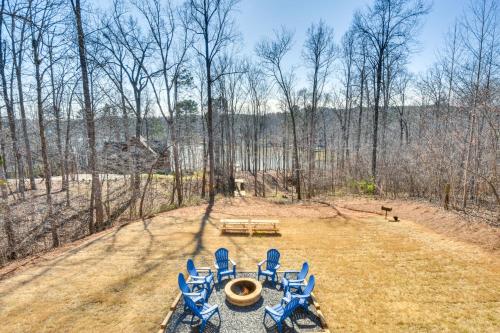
(218,315)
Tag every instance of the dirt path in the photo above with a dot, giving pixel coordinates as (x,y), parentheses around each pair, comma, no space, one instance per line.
(372,275)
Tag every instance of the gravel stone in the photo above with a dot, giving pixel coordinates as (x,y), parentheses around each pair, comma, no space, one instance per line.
(245,319)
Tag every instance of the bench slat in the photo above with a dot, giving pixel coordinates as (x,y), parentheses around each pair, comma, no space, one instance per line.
(265,221)
(234,220)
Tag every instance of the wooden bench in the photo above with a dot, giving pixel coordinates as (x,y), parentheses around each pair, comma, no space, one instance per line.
(265,226)
(236,225)
(249,226)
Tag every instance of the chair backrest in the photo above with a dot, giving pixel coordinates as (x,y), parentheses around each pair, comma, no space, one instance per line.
(182,284)
(273,258)
(222,258)
(303,272)
(192,306)
(289,308)
(191,268)
(310,286)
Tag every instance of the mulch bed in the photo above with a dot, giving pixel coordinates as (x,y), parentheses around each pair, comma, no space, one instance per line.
(245,319)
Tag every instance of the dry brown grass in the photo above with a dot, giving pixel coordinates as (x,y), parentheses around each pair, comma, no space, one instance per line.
(459,226)
(372,275)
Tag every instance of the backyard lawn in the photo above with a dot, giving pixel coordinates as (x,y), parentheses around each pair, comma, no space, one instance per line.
(371,274)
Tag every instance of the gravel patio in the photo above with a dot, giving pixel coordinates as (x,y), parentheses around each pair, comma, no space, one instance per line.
(245,319)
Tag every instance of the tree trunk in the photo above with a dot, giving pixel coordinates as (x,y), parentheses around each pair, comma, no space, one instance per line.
(17,59)
(375,116)
(5,213)
(211,159)
(296,156)
(57,115)
(175,147)
(10,114)
(43,141)
(66,153)
(95,196)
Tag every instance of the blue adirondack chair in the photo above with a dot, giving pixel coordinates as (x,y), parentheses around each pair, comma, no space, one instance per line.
(222,264)
(197,297)
(279,314)
(201,281)
(272,265)
(204,312)
(303,297)
(288,283)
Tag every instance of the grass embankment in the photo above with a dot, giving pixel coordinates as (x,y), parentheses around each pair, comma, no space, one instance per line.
(372,275)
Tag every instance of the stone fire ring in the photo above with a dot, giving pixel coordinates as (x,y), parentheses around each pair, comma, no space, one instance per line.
(243,291)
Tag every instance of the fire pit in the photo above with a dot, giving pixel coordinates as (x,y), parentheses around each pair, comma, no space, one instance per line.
(243,291)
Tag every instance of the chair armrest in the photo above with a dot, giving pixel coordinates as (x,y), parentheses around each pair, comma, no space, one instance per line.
(195,282)
(271,310)
(300,296)
(285,274)
(205,269)
(296,281)
(277,267)
(216,266)
(232,262)
(191,294)
(210,309)
(262,262)
(195,279)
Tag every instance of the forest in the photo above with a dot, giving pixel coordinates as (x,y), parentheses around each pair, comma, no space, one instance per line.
(111,116)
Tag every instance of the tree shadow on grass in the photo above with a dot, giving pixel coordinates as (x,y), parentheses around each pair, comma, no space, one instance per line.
(53,264)
(62,258)
(199,234)
(339,213)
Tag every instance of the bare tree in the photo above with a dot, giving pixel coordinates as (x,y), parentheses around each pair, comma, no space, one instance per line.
(319,53)
(348,54)
(9,105)
(257,93)
(95,194)
(361,63)
(479,30)
(130,49)
(388,26)
(5,210)
(18,53)
(41,17)
(272,53)
(211,21)
(172,43)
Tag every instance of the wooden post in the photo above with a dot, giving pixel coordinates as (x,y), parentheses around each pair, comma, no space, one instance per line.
(386,209)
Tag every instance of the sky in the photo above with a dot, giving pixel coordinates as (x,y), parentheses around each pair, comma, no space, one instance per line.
(256,19)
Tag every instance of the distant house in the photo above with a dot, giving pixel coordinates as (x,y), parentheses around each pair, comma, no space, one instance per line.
(135,154)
